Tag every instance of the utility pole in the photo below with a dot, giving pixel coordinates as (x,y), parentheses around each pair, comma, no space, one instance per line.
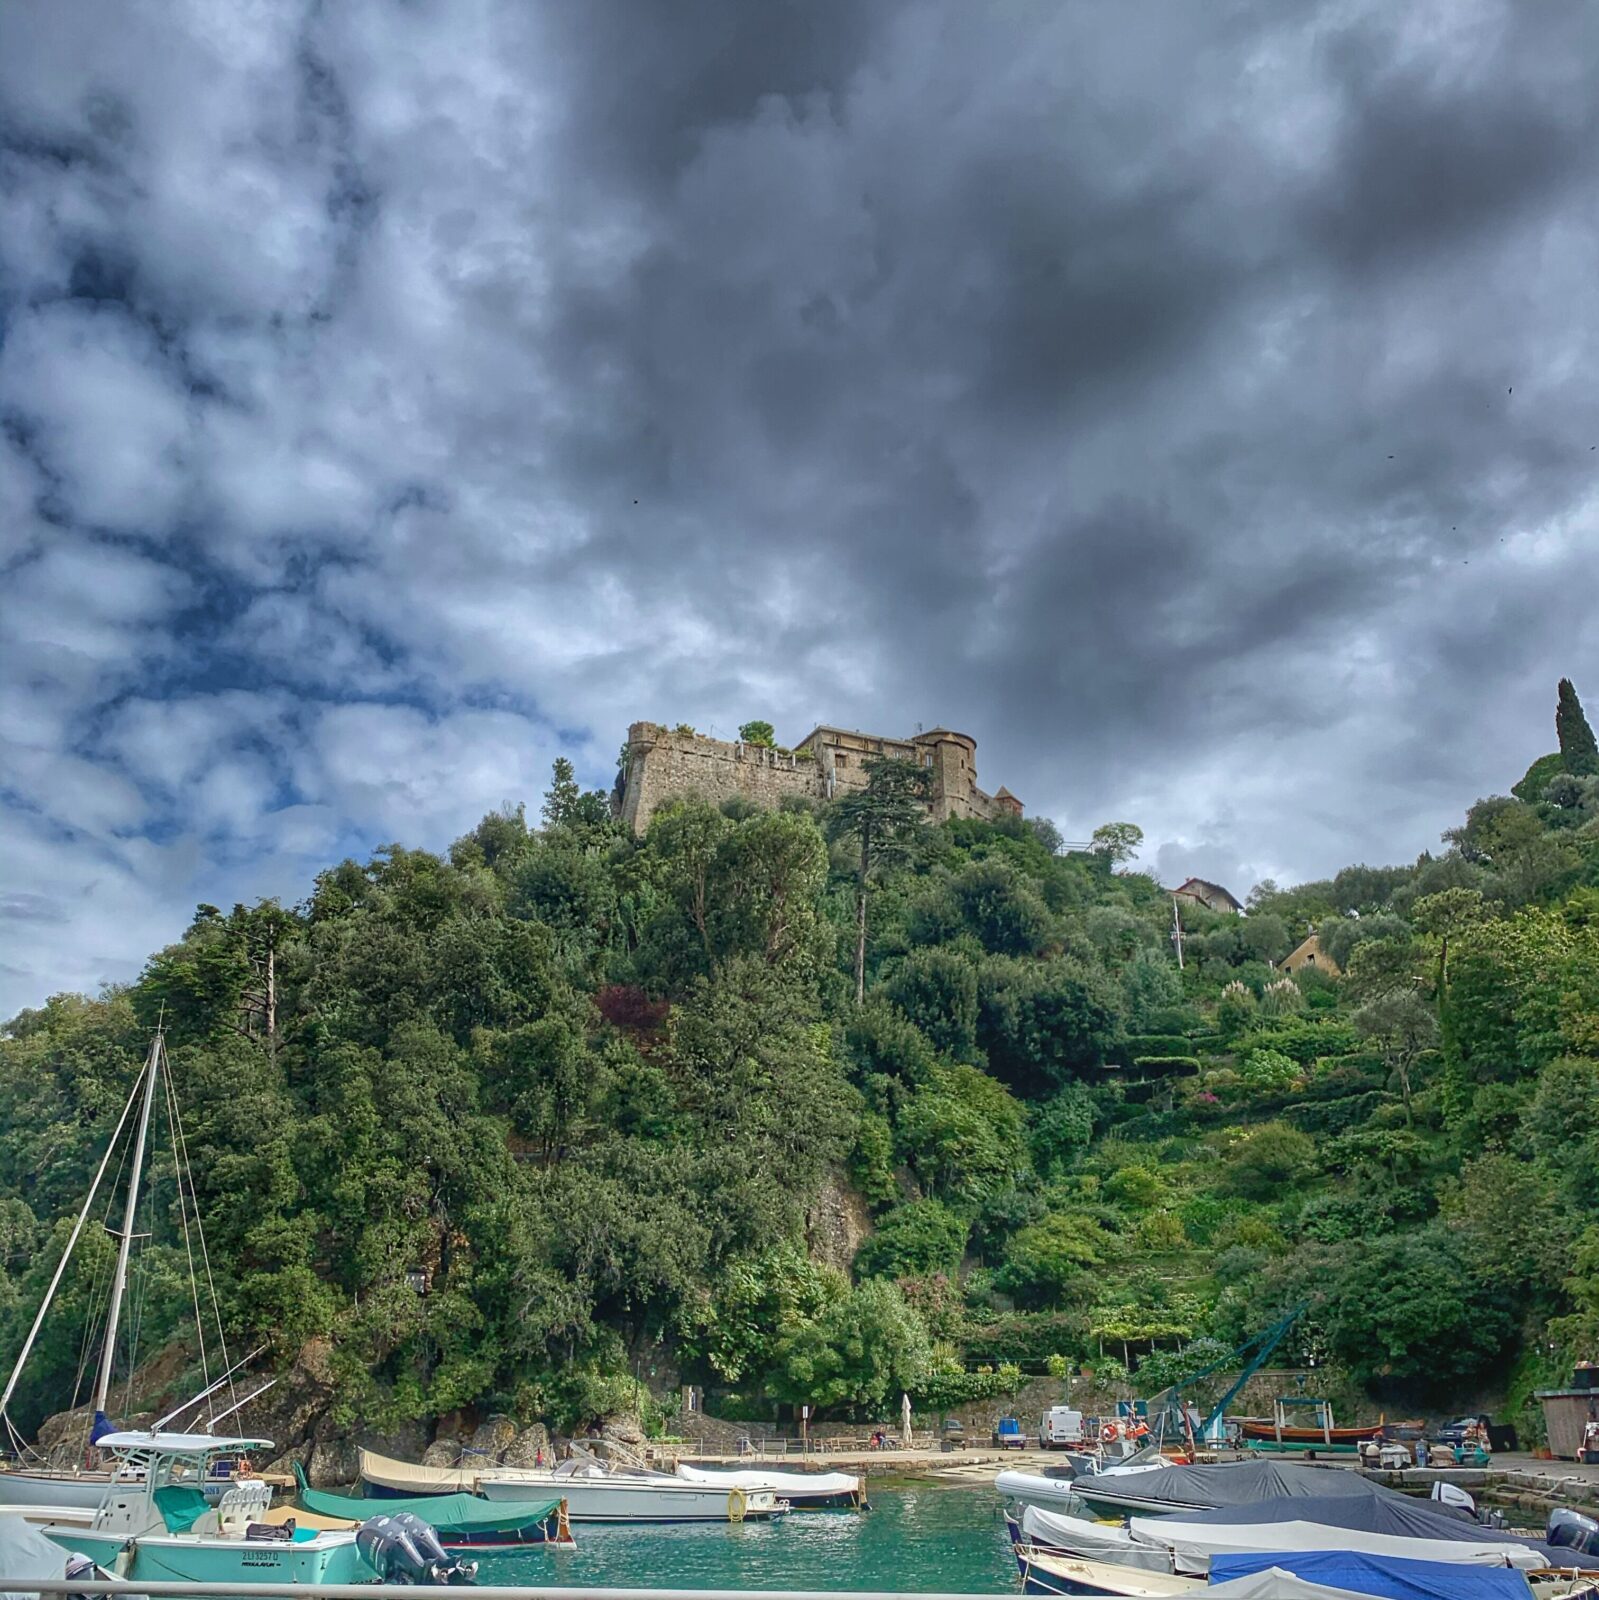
(1177,931)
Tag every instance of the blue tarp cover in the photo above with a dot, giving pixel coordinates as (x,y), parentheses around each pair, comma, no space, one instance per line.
(1381,1575)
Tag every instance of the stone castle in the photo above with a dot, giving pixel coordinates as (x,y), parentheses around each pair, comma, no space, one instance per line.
(665,763)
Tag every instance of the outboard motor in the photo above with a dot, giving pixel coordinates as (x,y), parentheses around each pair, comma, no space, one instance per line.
(404,1549)
(426,1539)
(1571,1530)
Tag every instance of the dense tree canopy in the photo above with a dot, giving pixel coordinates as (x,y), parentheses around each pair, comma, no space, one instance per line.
(595,1092)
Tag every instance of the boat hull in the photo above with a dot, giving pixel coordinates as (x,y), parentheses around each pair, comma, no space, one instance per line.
(669,1500)
(179,1558)
(86,1489)
(1263,1430)
(1046,1572)
(600,1497)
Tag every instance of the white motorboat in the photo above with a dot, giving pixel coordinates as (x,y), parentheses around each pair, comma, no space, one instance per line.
(593,1491)
(804,1491)
(156,1522)
(1060,1488)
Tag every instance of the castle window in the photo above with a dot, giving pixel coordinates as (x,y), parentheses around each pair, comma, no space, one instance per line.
(840,761)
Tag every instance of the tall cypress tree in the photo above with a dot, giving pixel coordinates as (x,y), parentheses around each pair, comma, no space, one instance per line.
(1578,751)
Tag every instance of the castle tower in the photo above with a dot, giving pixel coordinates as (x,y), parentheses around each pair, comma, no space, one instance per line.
(953,760)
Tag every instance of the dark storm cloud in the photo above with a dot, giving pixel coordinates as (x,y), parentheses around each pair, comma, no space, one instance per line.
(1193,403)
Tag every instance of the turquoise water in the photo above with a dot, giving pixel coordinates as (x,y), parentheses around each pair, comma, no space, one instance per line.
(915,1537)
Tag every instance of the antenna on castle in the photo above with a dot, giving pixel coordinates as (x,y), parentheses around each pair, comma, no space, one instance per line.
(918,727)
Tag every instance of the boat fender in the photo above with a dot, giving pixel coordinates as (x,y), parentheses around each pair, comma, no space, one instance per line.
(737,1505)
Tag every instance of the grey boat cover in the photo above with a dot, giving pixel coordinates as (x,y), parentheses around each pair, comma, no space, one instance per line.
(1384,1511)
(1241,1483)
(26,1553)
(1092,1541)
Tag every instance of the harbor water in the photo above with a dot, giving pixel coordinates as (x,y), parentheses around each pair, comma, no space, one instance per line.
(915,1537)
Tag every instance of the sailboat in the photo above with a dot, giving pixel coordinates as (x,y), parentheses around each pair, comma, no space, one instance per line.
(85,1487)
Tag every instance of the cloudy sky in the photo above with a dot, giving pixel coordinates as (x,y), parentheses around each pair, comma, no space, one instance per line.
(1196,403)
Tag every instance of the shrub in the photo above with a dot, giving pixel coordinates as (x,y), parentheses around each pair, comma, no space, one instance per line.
(1268,1070)
(1165,1066)
(913,1240)
(1267,1160)
(1157,1044)
(1160,1230)
(950,1385)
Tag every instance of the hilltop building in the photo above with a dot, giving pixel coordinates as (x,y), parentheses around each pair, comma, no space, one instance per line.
(1209,895)
(1309,953)
(668,763)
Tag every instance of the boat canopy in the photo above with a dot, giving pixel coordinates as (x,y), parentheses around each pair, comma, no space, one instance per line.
(407,1477)
(1243,1483)
(1193,1544)
(450,1514)
(785,1483)
(1395,1578)
(1394,1515)
(179,1444)
(1093,1541)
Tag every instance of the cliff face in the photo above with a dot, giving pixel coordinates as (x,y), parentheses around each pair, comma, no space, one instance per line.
(837,1223)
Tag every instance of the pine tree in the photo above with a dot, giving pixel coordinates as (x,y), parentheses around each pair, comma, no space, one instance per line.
(1578,751)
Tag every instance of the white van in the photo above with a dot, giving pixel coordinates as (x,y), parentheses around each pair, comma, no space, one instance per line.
(1061,1429)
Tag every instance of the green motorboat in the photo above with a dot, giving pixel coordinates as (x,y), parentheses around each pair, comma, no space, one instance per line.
(458,1519)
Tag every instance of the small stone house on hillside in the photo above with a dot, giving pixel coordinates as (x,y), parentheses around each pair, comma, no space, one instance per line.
(1209,895)
(1309,953)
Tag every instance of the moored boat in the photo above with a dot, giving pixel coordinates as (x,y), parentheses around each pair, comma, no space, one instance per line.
(804,1491)
(461,1520)
(593,1492)
(159,1525)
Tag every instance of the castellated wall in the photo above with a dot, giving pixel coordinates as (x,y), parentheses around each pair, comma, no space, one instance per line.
(665,763)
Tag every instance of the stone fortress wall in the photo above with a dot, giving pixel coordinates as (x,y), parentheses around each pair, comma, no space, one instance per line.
(665,763)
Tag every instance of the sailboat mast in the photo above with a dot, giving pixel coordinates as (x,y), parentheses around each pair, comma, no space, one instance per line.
(119,1284)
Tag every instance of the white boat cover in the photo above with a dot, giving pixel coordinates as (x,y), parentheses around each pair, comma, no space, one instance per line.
(1093,1541)
(1192,1544)
(26,1553)
(785,1483)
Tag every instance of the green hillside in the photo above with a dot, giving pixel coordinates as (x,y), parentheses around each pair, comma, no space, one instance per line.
(587,1090)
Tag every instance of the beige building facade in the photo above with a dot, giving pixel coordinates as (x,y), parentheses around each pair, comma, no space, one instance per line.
(671,763)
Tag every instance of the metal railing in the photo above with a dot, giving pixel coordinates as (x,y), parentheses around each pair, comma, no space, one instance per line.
(397,1591)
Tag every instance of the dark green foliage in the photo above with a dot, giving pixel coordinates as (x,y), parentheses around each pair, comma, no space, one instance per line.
(758,733)
(1156,1044)
(602,1091)
(1062,1127)
(1579,754)
(1044,1023)
(914,1241)
(1537,776)
(937,990)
